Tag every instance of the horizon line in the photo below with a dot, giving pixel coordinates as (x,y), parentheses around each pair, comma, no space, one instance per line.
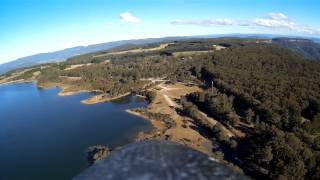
(162,37)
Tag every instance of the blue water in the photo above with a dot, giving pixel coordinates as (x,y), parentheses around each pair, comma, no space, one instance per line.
(44,136)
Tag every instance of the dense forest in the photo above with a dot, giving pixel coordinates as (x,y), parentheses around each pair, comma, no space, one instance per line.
(268,93)
(278,92)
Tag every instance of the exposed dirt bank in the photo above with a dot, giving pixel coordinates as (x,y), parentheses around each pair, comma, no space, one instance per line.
(102,98)
(166,103)
(16,81)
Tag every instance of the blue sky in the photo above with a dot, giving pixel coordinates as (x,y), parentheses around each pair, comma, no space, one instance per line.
(34,26)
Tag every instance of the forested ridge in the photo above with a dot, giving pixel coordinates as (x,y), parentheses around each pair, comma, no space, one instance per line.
(276,91)
(268,93)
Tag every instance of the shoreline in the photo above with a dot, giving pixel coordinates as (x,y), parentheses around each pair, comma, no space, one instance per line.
(181,132)
(154,123)
(157,128)
(138,95)
(102,98)
(65,90)
(167,123)
(159,112)
(71,93)
(17,81)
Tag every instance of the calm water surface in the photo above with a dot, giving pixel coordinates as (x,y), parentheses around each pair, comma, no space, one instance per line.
(44,136)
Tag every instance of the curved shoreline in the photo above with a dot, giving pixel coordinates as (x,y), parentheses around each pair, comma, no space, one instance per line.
(178,133)
(17,81)
(95,99)
(155,125)
(102,98)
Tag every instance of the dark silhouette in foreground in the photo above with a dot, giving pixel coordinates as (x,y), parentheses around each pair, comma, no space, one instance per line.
(158,160)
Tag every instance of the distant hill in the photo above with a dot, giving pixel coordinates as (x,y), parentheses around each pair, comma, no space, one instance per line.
(307,48)
(62,55)
(317,41)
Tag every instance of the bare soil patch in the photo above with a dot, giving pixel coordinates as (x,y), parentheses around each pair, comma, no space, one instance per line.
(140,50)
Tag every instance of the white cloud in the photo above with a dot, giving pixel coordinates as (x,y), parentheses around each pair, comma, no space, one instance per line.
(277,16)
(281,21)
(211,22)
(129,18)
(275,21)
(307,30)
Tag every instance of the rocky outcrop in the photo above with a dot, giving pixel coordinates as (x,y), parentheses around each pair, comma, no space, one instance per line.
(96,153)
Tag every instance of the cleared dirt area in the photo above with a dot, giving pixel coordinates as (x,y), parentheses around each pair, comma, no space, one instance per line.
(77,66)
(189,53)
(184,131)
(140,50)
(71,78)
(165,103)
(186,53)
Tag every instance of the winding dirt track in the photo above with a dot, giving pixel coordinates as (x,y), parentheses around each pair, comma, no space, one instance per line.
(166,92)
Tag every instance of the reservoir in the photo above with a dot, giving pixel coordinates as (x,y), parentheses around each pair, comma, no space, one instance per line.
(45,136)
